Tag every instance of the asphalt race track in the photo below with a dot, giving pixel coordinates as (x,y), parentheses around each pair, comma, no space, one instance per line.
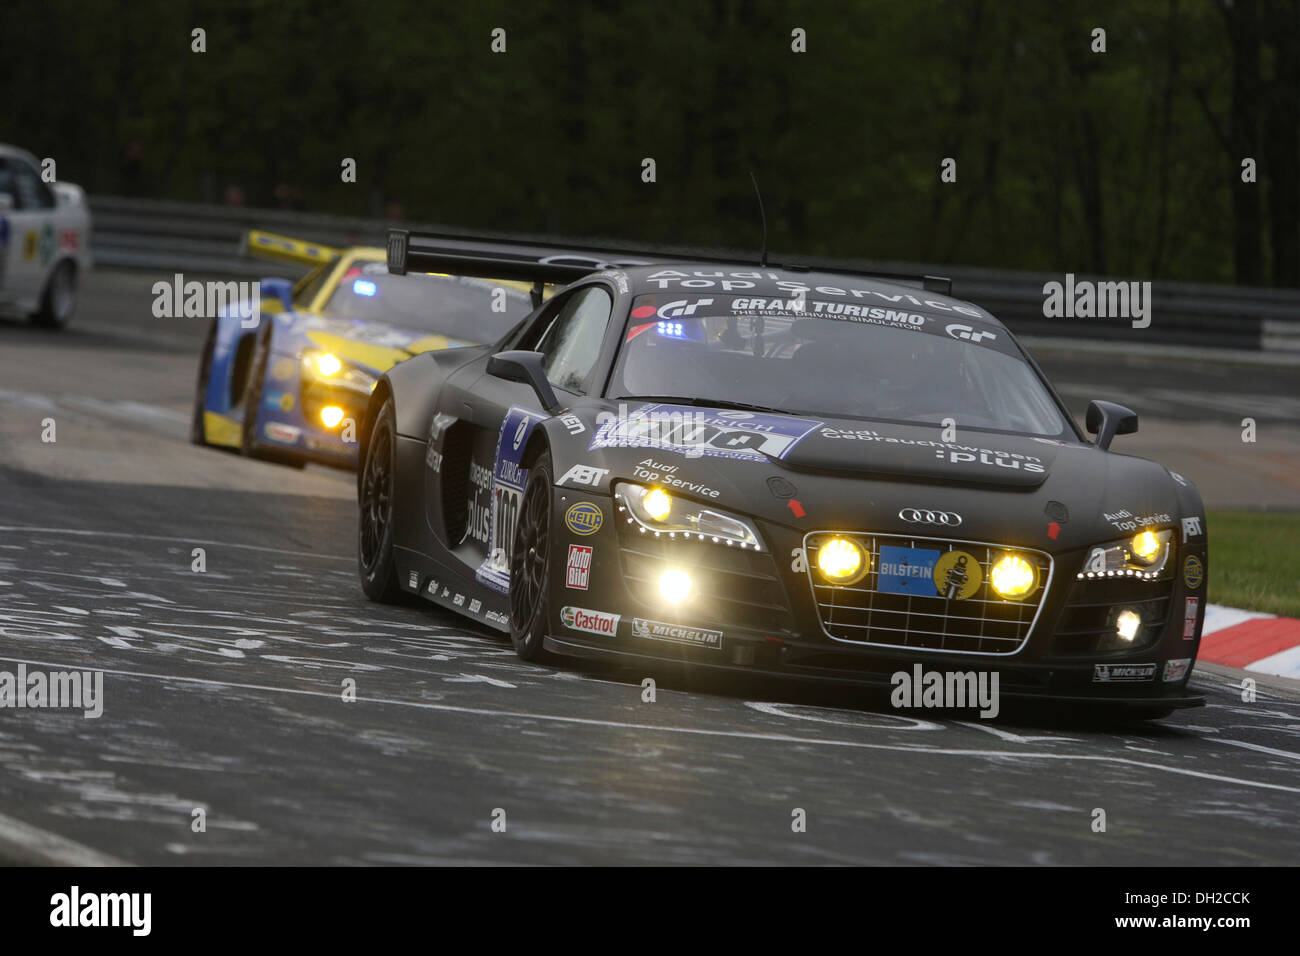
(223,689)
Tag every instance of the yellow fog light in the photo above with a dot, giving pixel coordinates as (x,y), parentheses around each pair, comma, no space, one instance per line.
(1127,624)
(1013,577)
(328,365)
(331,415)
(1146,547)
(675,586)
(657,503)
(841,561)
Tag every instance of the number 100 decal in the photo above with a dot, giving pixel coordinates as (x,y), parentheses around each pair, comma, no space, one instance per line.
(508,480)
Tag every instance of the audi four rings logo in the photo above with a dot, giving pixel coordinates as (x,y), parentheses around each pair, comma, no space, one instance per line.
(920,516)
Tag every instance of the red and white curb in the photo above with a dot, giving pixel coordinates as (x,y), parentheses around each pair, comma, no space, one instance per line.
(1252,641)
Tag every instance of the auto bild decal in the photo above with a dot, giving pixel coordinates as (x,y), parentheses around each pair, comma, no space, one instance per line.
(677,633)
(702,432)
(1191,610)
(577,572)
(584,518)
(508,480)
(592,622)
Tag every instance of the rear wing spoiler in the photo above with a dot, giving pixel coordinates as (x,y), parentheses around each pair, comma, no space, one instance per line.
(269,245)
(532,262)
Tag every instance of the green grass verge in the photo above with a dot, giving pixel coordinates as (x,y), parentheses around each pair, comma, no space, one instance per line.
(1255,560)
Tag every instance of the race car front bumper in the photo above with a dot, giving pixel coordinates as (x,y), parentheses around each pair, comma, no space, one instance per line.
(763,611)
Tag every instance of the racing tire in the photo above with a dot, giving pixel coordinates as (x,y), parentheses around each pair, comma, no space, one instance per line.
(59,300)
(375,522)
(530,565)
(252,402)
(198,433)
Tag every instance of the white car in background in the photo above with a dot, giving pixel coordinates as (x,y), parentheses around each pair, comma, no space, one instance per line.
(44,241)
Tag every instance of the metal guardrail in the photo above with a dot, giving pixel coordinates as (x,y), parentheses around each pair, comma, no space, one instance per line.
(204,239)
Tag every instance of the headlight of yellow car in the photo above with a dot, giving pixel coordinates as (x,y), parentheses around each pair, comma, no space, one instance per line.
(328,364)
(657,511)
(1013,577)
(1144,555)
(328,369)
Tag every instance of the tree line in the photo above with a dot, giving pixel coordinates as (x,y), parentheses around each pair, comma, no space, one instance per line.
(1167,146)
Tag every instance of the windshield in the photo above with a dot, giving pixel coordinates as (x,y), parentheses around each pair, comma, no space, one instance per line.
(831,359)
(455,306)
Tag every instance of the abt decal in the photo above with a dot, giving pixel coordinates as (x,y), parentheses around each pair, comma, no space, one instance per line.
(508,479)
(583,475)
(577,573)
(1191,528)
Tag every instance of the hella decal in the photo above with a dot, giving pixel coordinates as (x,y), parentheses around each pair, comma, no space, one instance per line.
(584,518)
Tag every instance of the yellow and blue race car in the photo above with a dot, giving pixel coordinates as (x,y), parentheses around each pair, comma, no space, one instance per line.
(289,382)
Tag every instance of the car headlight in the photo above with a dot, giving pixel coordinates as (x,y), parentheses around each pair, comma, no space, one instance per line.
(1145,555)
(657,512)
(1013,577)
(329,369)
(842,561)
(328,364)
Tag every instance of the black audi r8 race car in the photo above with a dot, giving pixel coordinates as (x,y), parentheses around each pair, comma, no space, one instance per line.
(805,473)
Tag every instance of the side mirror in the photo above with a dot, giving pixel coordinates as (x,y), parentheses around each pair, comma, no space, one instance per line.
(526,367)
(1106,420)
(279,289)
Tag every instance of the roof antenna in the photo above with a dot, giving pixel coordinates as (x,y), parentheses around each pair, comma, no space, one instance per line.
(762,215)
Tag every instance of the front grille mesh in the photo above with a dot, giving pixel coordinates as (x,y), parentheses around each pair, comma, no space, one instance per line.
(982,623)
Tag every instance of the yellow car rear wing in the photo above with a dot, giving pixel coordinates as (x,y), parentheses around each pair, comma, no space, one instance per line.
(269,245)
